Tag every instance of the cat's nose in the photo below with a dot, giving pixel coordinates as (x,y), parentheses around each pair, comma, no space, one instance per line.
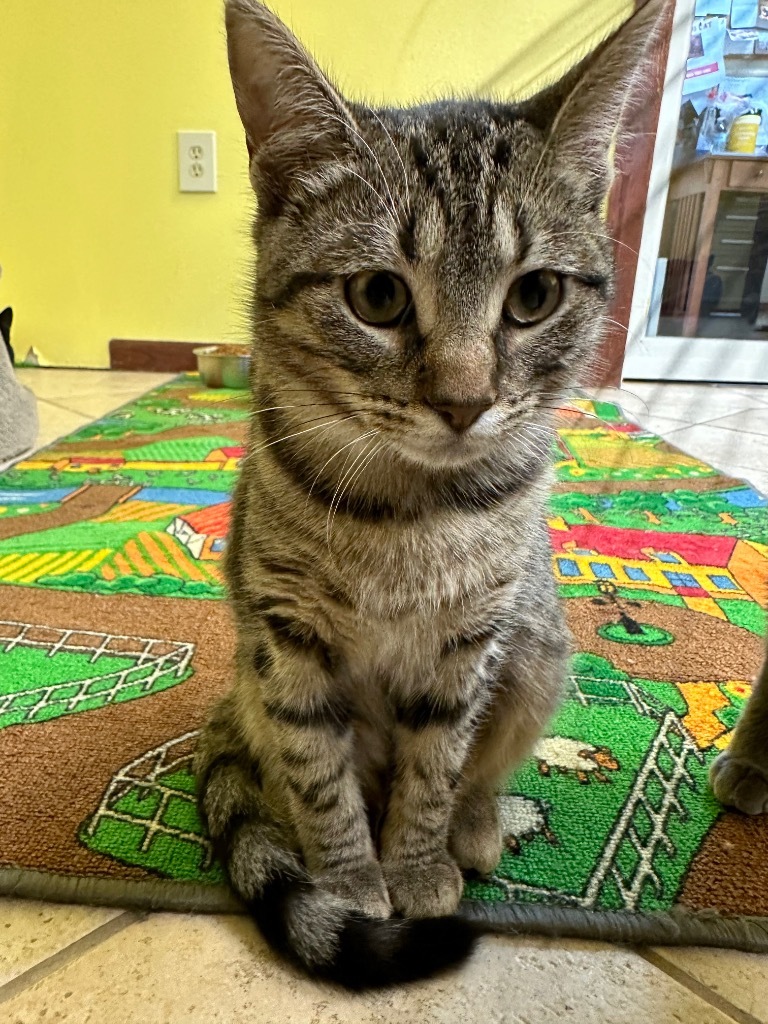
(461,415)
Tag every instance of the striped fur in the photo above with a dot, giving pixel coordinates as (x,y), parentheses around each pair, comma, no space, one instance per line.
(400,645)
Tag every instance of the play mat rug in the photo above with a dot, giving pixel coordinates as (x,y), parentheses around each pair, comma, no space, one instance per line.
(115,640)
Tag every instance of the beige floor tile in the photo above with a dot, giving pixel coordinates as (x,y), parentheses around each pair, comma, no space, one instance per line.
(689,403)
(751,421)
(634,405)
(759,481)
(661,425)
(92,392)
(757,391)
(170,969)
(735,453)
(741,978)
(756,479)
(56,422)
(31,931)
(93,407)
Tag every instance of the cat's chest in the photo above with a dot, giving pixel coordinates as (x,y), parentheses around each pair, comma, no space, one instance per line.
(427,568)
(414,644)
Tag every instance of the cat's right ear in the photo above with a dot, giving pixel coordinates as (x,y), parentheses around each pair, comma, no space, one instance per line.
(294,118)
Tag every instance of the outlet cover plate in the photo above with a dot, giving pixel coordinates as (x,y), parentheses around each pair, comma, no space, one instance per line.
(197,161)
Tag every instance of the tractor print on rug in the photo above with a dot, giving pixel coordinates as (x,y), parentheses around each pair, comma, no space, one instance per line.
(136,503)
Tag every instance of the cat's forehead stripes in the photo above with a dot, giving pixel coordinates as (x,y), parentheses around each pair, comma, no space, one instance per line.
(456,177)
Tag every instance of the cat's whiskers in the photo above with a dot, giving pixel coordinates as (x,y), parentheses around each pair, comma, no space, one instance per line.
(581,412)
(276,408)
(392,210)
(297,433)
(610,320)
(530,447)
(376,160)
(316,437)
(366,461)
(373,113)
(306,374)
(603,237)
(355,440)
(326,391)
(582,394)
(338,493)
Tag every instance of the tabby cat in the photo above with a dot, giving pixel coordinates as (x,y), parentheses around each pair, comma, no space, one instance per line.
(430,282)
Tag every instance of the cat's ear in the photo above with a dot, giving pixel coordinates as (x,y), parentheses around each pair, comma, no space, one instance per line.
(292,115)
(583,111)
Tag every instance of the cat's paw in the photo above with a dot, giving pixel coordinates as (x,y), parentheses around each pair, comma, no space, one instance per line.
(361,887)
(738,782)
(430,889)
(475,833)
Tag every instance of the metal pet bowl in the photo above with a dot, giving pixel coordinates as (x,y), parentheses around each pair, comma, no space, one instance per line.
(224,366)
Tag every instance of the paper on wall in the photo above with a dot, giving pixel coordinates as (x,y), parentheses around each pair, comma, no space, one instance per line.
(705,68)
(744,13)
(704,7)
(741,41)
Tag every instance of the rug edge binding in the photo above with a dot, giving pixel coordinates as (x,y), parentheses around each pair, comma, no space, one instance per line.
(659,928)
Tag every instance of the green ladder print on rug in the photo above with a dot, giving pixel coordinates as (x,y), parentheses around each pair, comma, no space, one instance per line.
(47,672)
(619,824)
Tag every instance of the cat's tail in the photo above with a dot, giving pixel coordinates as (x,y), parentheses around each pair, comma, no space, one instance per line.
(318,931)
(322,935)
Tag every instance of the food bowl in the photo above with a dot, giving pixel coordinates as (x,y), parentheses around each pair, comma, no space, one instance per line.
(224,366)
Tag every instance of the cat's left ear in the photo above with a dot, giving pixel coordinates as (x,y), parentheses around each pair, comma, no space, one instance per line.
(583,111)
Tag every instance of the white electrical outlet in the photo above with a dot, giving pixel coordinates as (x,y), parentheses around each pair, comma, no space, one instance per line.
(197,161)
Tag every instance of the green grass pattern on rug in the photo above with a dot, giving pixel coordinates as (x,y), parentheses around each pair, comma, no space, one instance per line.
(661,560)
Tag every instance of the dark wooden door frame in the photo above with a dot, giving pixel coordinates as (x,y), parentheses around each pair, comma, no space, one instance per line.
(629,196)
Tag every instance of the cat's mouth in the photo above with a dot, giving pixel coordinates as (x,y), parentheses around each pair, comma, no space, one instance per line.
(424,439)
(432,442)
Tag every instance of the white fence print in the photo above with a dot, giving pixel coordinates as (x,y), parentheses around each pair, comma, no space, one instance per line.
(151,661)
(147,777)
(623,690)
(630,883)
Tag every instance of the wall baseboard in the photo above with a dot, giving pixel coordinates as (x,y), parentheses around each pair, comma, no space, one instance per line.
(160,356)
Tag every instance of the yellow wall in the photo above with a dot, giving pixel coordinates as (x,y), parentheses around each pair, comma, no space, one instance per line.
(95,240)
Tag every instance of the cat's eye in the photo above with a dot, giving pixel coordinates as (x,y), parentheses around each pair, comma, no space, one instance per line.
(378,297)
(533,297)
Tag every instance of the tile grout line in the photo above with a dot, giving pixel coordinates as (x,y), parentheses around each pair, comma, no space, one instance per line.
(62,957)
(732,430)
(697,988)
(58,406)
(68,408)
(684,425)
(670,436)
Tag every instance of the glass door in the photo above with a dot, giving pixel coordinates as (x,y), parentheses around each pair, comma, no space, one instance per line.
(700,308)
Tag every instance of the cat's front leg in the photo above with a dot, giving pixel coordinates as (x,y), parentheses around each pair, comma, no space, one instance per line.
(312,736)
(434,728)
(739,776)
(529,687)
